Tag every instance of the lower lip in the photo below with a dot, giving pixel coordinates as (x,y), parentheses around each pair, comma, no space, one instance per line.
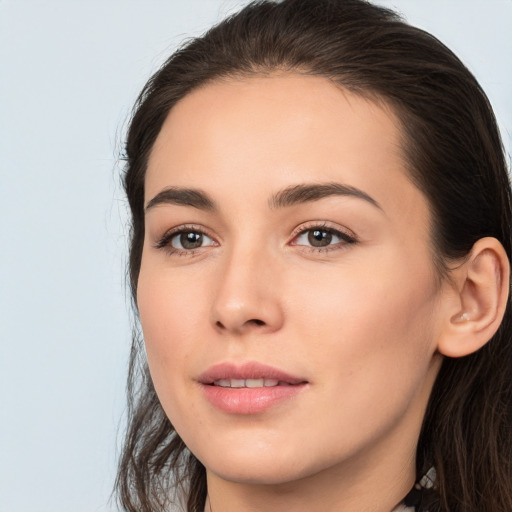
(249,400)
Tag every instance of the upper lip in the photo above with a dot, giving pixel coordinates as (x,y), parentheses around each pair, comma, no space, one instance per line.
(249,370)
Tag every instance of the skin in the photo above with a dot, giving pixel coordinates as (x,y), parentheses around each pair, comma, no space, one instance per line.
(360,321)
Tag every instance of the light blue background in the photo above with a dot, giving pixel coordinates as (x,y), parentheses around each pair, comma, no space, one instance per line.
(69,73)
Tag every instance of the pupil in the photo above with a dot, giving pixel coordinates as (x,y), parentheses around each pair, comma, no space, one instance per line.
(191,240)
(318,238)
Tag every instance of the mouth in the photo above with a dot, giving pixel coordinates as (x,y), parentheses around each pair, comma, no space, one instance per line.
(250,388)
(248,375)
(249,383)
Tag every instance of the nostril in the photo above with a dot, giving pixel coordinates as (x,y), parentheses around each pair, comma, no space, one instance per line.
(246,325)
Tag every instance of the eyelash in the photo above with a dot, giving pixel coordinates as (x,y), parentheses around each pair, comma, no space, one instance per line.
(345,237)
(165,241)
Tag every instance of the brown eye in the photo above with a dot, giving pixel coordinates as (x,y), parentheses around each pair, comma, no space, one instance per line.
(323,238)
(189,240)
(319,238)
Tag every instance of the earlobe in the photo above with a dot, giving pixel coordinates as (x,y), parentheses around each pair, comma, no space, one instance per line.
(482,288)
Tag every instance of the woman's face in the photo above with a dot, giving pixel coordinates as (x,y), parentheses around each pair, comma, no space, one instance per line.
(287,293)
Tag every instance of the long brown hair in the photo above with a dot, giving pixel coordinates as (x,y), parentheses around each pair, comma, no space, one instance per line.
(455,157)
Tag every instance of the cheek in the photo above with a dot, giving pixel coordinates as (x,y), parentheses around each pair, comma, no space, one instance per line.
(171,315)
(368,338)
(369,320)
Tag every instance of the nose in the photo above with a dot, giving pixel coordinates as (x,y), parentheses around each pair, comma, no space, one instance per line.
(247,298)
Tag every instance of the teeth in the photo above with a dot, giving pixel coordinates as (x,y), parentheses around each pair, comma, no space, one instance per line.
(248,383)
(254,383)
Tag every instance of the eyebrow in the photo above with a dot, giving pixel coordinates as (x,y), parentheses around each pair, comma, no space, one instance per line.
(303,193)
(290,196)
(182,197)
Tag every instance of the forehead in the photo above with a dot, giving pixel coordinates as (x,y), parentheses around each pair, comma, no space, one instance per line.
(267,132)
(279,108)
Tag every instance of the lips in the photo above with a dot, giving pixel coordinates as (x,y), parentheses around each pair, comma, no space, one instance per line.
(250,388)
(247,371)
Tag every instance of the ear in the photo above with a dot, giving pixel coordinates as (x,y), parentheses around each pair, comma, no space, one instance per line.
(480,292)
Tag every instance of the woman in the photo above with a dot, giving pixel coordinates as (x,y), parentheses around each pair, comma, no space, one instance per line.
(320,261)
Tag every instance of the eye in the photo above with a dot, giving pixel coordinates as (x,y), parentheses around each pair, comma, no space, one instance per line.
(319,237)
(184,241)
(189,240)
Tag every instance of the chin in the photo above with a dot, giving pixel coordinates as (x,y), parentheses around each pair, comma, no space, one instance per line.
(267,473)
(259,465)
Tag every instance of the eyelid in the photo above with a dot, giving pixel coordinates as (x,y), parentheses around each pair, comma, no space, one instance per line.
(164,242)
(348,236)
